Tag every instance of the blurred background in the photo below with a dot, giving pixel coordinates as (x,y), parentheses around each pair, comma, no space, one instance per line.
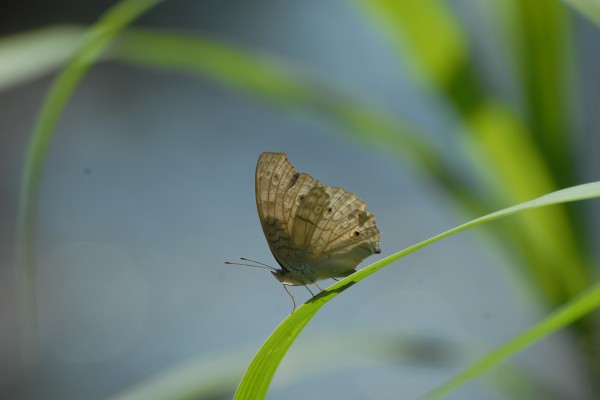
(432,112)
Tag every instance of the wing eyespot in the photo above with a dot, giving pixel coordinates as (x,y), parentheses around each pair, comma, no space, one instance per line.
(293,180)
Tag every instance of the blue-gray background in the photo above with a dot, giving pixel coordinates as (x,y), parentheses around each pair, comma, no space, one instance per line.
(149,187)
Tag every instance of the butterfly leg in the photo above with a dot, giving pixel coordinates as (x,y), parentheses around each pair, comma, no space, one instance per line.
(317,285)
(293,300)
(307,288)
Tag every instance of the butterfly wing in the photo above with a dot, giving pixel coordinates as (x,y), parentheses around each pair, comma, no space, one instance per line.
(332,233)
(279,190)
(314,231)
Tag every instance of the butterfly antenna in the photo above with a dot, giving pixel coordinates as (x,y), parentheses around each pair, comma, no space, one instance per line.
(260,265)
(256,262)
(293,300)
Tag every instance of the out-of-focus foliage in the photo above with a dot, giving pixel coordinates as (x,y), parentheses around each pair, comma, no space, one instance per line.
(515,152)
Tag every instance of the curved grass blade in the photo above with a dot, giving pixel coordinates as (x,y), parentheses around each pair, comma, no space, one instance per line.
(94,42)
(555,261)
(258,377)
(570,312)
(28,55)
(518,158)
(217,376)
(589,8)
(283,83)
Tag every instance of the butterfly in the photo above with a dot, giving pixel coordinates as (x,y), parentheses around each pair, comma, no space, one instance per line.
(314,231)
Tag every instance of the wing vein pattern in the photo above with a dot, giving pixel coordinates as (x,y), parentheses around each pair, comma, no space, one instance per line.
(314,231)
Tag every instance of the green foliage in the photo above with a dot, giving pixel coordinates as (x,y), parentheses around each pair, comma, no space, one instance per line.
(515,153)
(92,45)
(589,8)
(577,308)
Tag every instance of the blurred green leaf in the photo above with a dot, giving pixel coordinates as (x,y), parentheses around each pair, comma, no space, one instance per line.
(544,56)
(514,158)
(293,87)
(426,33)
(92,45)
(29,55)
(516,171)
(584,304)
(282,83)
(589,8)
(217,376)
(258,377)
(517,154)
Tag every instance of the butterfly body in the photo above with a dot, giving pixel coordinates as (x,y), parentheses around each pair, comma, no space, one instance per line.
(314,231)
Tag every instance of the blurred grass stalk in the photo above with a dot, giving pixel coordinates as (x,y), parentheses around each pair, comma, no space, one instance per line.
(257,379)
(515,154)
(516,159)
(90,48)
(525,153)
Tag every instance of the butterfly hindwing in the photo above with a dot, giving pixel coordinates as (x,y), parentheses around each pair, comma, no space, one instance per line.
(308,220)
(337,230)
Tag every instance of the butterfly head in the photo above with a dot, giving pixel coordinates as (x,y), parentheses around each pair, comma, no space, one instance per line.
(279,274)
(289,278)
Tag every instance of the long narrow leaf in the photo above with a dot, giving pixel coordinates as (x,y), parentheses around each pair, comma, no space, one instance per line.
(577,308)
(29,55)
(94,42)
(258,377)
(516,158)
(290,86)
(589,8)
(281,82)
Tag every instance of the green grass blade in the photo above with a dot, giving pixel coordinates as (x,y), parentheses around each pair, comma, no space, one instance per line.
(516,171)
(589,8)
(577,308)
(282,83)
(258,377)
(94,42)
(264,76)
(544,57)
(291,87)
(29,55)
(427,32)
(217,376)
(515,158)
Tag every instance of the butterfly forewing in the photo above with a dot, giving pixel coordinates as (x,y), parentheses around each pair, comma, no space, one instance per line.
(269,199)
(279,190)
(314,231)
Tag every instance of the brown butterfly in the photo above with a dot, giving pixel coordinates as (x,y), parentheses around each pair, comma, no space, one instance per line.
(315,232)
